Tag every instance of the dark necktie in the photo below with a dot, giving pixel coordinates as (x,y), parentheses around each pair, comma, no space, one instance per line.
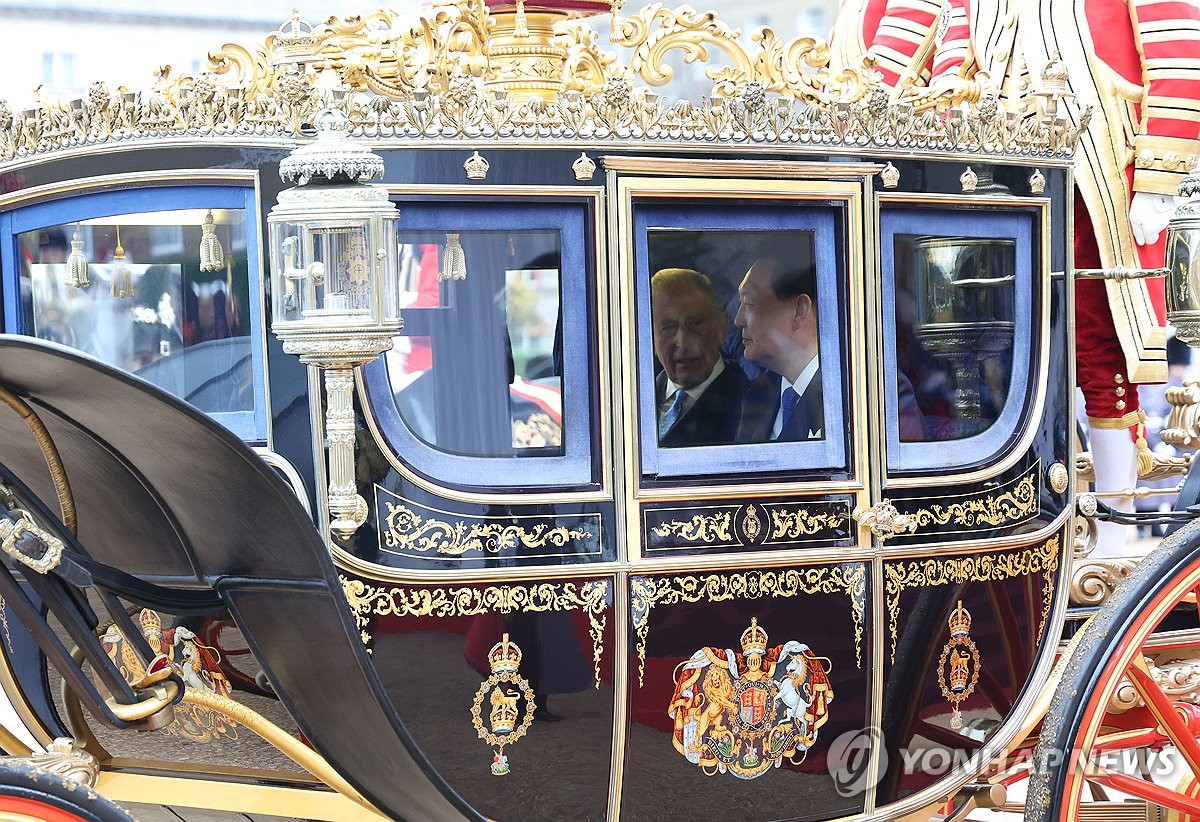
(790,397)
(673,413)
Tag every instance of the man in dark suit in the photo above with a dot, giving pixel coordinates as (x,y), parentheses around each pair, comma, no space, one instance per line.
(698,394)
(778,318)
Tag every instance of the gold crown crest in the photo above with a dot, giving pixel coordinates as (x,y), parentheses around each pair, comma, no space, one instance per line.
(960,621)
(150,622)
(294,41)
(476,167)
(754,639)
(505,656)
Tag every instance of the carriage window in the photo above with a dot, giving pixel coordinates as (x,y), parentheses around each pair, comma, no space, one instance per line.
(163,294)
(487,380)
(740,337)
(954,334)
(960,315)
(488,384)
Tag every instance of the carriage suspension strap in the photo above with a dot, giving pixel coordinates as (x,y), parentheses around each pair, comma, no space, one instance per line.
(62,487)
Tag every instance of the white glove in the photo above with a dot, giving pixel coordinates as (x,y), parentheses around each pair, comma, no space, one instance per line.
(1149,215)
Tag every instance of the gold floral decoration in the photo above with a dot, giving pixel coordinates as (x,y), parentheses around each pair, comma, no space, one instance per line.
(590,597)
(789,523)
(648,592)
(994,567)
(705,528)
(1016,502)
(715,526)
(407,530)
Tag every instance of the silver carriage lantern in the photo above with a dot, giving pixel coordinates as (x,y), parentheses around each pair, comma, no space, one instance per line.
(334,283)
(1183,264)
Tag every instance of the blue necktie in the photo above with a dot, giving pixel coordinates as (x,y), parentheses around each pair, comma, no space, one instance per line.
(673,413)
(790,398)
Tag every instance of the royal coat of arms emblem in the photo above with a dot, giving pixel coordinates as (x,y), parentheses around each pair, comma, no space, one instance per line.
(745,713)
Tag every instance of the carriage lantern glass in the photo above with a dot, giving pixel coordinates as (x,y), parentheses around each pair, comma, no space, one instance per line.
(334,283)
(1183,264)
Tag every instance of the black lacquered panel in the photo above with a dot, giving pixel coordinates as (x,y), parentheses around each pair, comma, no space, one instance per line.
(985,510)
(689,528)
(408,527)
(738,683)
(962,636)
(506,688)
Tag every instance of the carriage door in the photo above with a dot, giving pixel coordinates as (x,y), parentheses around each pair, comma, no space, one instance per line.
(971,516)
(747,452)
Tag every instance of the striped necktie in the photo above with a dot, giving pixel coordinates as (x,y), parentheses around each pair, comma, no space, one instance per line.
(673,413)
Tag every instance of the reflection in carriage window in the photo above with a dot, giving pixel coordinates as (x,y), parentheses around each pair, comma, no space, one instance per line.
(164,295)
(735,337)
(954,332)
(479,371)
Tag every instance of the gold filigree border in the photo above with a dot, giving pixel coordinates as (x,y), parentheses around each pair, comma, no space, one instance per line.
(715,527)
(591,597)
(790,523)
(404,529)
(900,576)
(1016,502)
(647,592)
(703,528)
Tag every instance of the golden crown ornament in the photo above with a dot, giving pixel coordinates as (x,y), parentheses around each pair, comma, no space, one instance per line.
(504,691)
(959,665)
(476,167)
(584,167)
(890,176)
(754,639)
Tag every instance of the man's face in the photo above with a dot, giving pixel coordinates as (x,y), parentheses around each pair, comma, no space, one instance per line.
(687,335)
(767,323)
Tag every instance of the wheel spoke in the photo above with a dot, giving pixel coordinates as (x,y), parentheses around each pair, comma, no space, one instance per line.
(1148,791)
(1168,718)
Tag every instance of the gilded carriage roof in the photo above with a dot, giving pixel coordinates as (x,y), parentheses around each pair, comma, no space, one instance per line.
(533,71)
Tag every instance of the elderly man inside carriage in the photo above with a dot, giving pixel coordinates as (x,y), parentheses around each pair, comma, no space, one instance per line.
(698,392)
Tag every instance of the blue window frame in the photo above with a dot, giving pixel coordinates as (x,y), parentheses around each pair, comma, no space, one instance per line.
(488,385)
(960,324)
(728,239)
(198,335)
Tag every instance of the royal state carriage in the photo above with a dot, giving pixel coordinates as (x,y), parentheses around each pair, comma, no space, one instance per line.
(525,596)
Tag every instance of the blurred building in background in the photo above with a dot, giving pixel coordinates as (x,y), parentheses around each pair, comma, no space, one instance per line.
(57,48)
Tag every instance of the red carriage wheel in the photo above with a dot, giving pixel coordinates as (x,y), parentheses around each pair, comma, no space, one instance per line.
(1072,761)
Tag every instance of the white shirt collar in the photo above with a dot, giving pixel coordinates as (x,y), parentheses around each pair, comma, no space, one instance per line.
(801,383)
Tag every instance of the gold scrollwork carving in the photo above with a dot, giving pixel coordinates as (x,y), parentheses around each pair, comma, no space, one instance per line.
(590,597)
(1094,581)
(408,530)
(1179,680)
(789,523)
(1016,504)
(900,576)
(705,528)
(648,592)
(460,72)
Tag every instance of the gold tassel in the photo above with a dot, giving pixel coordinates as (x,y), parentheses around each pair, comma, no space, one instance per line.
(1145,459)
